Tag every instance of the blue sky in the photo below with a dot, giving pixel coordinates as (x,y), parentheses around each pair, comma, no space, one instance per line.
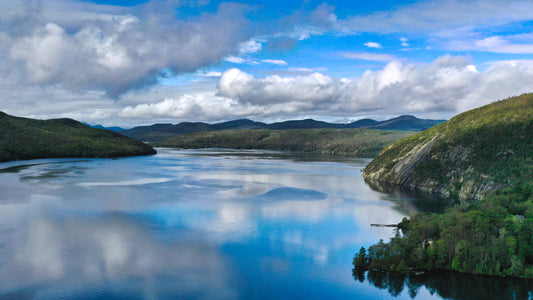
(137,62)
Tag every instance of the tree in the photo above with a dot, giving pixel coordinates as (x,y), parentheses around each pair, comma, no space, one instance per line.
(360,260)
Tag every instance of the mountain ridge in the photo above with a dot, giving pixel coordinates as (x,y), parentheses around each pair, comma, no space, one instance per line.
(159,132)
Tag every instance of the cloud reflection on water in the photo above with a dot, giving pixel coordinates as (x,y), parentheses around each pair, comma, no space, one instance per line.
(195,220)
(82,251)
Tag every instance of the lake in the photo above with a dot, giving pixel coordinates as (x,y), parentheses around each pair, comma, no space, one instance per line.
(207,224)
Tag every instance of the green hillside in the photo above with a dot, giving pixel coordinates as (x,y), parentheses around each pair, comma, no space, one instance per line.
(466,157)
(353,142)
(484,154)
(23,138)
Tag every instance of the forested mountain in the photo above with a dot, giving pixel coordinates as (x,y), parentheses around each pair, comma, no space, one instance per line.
(467,157)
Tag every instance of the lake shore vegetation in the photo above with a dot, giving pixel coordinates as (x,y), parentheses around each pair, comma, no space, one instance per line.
(353,142)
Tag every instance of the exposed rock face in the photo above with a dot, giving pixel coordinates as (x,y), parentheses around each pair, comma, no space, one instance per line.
(467,157)
(404,165)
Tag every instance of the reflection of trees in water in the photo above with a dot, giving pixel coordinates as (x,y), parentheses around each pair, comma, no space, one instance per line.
(411,200)
(448,285)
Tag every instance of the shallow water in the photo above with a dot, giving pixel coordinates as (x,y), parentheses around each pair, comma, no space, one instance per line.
(194,224)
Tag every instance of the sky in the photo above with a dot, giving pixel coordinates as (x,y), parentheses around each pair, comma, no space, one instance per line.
(129,63)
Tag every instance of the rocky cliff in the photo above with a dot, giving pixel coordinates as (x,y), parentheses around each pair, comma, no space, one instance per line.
(466,157)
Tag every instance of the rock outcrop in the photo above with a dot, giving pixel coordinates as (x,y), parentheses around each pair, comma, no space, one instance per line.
(466,157)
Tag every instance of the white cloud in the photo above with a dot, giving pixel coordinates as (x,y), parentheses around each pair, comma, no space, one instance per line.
(446,86)
(404,42)
(274,89)
(275,62)
(449,84)
(373,45)
(210,74)
(368,56)
(250,46)
(236,59)
(208,107)
(113,49)
(183,107)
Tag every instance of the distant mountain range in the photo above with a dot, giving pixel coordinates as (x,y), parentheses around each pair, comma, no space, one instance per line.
(159,132)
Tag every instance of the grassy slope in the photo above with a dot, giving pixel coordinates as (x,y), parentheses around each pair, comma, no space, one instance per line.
(23,138)
(356,142)
(473,153)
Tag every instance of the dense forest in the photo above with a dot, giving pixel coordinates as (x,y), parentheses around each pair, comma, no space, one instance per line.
(491,237)
(353,142)
(24,138)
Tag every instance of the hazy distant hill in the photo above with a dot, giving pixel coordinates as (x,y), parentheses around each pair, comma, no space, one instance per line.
(466,157)
(406,122)
(98,126)
(23,138)
(159,132)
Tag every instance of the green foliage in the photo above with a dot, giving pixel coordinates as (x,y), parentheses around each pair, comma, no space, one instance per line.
(360,259)
(23,138)
(353,142)
(491,237)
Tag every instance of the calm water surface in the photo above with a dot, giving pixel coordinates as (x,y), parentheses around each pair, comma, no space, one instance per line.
(204,224)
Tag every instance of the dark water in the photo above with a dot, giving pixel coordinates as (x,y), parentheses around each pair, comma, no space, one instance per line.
(204,225)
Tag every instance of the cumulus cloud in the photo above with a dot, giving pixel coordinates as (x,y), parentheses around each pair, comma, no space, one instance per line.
(237,84)
(182,107)
(114,50)
(208,107)
(449,85)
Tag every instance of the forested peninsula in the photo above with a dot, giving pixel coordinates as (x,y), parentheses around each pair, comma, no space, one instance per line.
(24,138)
(482,159)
